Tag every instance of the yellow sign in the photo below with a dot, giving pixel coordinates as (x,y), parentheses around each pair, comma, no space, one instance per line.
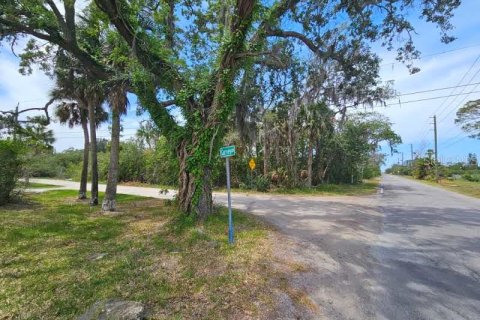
(251,163)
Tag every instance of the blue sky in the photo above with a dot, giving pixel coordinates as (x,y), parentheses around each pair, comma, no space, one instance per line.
(441,66)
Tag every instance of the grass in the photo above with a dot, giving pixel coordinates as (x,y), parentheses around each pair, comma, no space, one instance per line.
(33,185)
(146,185)
(468,188)
(366,188)
(58,256)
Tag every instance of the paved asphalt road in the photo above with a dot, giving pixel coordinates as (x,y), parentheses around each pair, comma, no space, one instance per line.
(428,253)
(411,253)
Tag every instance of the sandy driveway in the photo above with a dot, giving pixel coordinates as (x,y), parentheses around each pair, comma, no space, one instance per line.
(411,253)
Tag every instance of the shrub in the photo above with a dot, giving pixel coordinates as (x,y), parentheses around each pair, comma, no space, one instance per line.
(471,177)
(262,184)
(10,163)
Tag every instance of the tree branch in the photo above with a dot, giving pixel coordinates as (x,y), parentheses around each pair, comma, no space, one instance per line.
(52,36)
(17,112)
(252,54)
(293,34)
(70,30)
(167,103)
(136,40)
(57,13)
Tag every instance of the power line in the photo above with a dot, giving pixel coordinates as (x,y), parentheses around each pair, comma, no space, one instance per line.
(437,89)
(461,103)
(452,138)
(455,142)
(434,54)
(461,80)
(451,103)
(425,99)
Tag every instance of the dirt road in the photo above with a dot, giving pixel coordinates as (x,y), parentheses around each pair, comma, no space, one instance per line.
(411,253)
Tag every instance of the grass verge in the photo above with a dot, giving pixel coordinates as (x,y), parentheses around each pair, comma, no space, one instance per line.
(58,256)
(366,188)
(468,188)
(34,185)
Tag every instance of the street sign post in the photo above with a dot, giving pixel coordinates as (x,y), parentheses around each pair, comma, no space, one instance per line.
(227,152)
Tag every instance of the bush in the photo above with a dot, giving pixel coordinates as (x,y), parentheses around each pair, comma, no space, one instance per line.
(262,184)
(161,164)
(10,163)
(132,162)
(471,177)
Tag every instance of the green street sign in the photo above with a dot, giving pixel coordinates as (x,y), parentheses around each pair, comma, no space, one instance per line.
(226,152)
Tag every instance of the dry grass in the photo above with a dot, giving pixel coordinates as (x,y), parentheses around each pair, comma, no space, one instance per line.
(460,186)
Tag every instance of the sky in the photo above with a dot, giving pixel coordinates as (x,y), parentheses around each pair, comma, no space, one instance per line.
(442,66)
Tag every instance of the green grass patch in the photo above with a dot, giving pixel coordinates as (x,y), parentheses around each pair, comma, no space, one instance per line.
(58,256)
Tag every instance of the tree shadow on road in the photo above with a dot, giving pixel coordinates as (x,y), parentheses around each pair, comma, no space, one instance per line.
(424,265)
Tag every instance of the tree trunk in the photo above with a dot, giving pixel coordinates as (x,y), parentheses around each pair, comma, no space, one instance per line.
(192,200)
(309,163)
(93,153)
(82,193)
(266,157)
(109,203)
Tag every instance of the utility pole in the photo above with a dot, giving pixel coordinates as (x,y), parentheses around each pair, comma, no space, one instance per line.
(402,159)
(411,151)
(436,146)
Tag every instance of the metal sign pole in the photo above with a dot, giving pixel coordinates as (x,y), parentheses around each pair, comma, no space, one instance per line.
(230,219)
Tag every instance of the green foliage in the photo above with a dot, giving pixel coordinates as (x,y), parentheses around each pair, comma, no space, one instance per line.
(132,162)
(10,164)
(400,170)
(65,165)
(161,164)
(471,177)
(423,168)
(262,184)
(468,117)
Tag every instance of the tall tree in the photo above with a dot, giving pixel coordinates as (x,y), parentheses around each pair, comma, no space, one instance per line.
(118,101)
(78,95)
(93,99)
(317,122)
(71,114)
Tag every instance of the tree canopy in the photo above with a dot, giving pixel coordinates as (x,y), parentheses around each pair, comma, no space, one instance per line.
(468,117)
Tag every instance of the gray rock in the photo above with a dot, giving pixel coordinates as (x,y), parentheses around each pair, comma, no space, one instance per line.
(96,256)
(115,310)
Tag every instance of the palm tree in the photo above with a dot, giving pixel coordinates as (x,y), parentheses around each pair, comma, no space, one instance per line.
(72,114)
(84,102)
(92,97)
(117,98)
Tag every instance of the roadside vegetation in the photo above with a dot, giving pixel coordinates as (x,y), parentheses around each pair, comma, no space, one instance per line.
(367,187)
(462,177)
(469,188)
(58,256)
(350,156)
